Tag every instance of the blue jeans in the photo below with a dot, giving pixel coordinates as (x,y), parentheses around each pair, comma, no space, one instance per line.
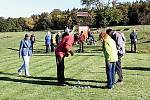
(110,71)
(25,66)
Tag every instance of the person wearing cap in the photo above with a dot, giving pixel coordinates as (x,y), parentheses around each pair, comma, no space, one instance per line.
(133,38)
(63,50)
(110,54)
(48,41)
(25,51)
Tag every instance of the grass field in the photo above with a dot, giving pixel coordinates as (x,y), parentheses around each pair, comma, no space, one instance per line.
(88,68)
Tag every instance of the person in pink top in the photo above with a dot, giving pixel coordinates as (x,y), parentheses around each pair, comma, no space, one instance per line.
(63,50)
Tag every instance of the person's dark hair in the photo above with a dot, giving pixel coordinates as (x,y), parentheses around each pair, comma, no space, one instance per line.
(32,35)
(26,35)
(65,34)
(108,31)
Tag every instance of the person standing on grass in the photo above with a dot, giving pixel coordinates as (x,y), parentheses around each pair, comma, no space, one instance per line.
(48,41)
(32,39)
(25,51)
(110,53)
(57,38)
(81,41)
(133,38)
(53,41)
(119,38)
(63,50)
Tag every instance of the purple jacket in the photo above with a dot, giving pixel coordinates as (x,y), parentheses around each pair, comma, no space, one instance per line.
(120,42)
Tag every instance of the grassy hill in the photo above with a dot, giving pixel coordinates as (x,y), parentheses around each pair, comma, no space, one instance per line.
(88,68)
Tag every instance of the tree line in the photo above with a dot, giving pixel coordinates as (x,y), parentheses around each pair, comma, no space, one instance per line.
(135,13)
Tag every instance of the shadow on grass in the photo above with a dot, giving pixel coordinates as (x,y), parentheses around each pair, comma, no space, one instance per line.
(136,68)
(128,51)
(13,49)
(44,54)
(146,42)
(39,51)
(12,74)
(28,81)
(86,54)
(76,54)
(67,79)
(46,80)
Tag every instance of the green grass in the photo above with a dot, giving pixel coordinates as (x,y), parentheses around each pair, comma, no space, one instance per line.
(87,67)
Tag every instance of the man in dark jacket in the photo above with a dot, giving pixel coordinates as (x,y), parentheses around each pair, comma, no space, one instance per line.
(133,38)
(57,38)
(32,39)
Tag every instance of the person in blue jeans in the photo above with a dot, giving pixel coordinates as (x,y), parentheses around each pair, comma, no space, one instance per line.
(25,51)
(110,54)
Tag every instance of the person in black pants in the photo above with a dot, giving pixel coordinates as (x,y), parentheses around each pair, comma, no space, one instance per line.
(32,39)
(57,38)
(82,38)
(133,38)
(119,69)
(62,50)
(60,69)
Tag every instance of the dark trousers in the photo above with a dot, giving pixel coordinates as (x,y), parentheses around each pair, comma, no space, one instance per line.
(52,47)
(82,47)
(47,48)
(119,68)
(60,69)
(133,46)
(110,72)
(32,47)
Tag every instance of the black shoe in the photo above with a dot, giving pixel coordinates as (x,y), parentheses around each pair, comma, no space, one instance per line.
(107,87)
(119,82)
(61,84)
(66,83)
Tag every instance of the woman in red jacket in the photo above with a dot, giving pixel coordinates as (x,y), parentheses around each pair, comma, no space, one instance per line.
(63,50)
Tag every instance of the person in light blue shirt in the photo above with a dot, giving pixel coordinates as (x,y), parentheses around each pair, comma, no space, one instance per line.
(48,41)
(25,51)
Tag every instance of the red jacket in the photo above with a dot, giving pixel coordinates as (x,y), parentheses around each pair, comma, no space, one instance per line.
(82,38)
(64,46)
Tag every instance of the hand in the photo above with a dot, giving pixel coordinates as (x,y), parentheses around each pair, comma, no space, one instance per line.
(72,53)
(67,55)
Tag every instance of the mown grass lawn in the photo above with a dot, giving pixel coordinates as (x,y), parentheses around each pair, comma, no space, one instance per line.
(88,68)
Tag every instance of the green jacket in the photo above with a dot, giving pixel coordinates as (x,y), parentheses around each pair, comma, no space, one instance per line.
(110,50)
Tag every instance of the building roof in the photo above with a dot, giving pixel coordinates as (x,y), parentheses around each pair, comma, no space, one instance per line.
(83,14)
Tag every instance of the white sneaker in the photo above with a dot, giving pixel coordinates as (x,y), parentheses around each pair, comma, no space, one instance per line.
(28,75)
